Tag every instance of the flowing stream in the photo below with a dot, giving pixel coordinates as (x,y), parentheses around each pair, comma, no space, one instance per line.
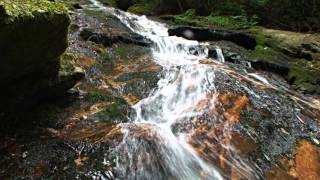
(151,149)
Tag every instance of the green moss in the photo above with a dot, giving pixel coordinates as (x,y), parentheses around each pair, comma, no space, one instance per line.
(121,51)
(261,38)
(116,111)
(107,57)
(33,35)
(112,111)
(95,96)
(262,52)
(21,8)
(67,64)
(230,22)
(189,18)
(305,75)
(142,8)
(280,48)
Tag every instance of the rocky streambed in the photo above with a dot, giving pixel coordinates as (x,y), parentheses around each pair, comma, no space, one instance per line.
(245,124)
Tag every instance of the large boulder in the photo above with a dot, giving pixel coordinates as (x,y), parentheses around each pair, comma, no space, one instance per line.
(33,35)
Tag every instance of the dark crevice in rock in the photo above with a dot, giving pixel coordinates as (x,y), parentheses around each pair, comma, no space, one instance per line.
(205,34)
(107,40)
(281,70)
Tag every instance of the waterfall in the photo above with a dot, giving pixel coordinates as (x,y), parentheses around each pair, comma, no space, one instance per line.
(150,148)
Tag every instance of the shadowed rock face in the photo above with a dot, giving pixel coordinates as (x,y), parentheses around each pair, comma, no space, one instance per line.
(32,39)
(33,36)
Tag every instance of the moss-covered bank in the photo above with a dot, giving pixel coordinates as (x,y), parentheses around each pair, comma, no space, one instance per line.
(292,55)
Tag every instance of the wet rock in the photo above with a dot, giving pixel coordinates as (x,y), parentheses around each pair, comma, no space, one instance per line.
(55,159)
(205,34)
(232,52)
(304,165)
(106,40)
(137,75)
(139,84)
(116,112)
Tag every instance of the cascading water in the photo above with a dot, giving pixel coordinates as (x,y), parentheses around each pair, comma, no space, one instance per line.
(150,148)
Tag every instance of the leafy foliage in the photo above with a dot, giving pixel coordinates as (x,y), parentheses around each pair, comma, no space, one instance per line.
(299,15)
(232,22)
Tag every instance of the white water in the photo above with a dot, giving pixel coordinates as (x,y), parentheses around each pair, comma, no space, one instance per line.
(163,154)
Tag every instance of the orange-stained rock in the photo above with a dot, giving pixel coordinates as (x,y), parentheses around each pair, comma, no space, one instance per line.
(307,161)
(304,166)
(244,145)
(131,99)
(215,142)
(233,113)
(86,61)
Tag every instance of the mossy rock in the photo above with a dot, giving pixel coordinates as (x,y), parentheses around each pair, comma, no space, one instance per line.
(117,111)
(12,10)
(142,8)
(293,44)
(305,76)
(110,113)
(95,96)
(67,64)
(290,54)
(33,35)
(302,74)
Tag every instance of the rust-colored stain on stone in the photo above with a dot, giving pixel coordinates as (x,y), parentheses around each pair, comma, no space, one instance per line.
(131,99)
(214,142)
(308,161)
(304,166)
(238,103)
(86,61)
